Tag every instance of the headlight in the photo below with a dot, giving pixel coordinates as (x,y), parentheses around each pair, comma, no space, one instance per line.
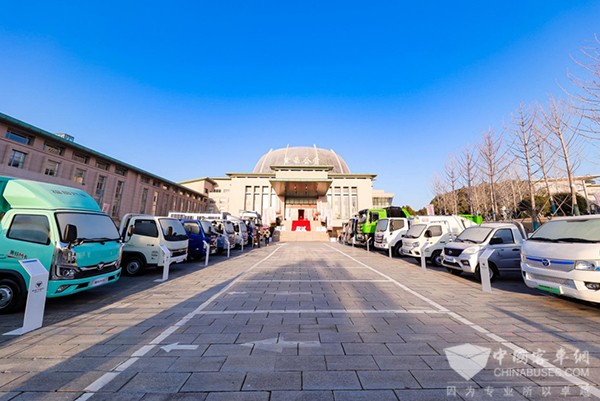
(64,266)
(415,244)
(585,265)
(470,250)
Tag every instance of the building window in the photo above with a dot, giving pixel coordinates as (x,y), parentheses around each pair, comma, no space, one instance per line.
(79,176)
(118,196)
(145,180)
(121,171)
(54,149)
(102,165)
(154,203)
(144,200)
(353,201)
(17,159)
(24,139)
(100,185)
(51,168)
(248,199)
(81,158)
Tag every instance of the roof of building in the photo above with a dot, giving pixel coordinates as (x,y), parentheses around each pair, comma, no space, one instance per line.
(299,156)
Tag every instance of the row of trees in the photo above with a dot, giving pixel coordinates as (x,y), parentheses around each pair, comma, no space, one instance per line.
(519,166)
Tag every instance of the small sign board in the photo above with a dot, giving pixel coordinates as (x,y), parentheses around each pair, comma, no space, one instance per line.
(36,297)
(484,270)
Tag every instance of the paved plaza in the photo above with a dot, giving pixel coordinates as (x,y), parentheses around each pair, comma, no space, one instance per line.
(305,321)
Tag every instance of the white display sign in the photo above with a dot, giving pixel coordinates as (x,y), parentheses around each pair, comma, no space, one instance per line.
(423,261)
(166,263)
(484,270)
(36,297)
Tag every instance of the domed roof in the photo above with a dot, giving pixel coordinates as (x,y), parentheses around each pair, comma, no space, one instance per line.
(301,156)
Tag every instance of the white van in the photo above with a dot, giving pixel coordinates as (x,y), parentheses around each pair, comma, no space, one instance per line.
(563,257)
(143,235)
(241,231)
(436,232)
(389,233)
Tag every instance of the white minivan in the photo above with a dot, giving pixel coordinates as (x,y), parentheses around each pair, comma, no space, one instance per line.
(563,257)
(431,234)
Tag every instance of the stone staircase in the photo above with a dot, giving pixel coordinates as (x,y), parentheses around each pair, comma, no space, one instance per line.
(287,235)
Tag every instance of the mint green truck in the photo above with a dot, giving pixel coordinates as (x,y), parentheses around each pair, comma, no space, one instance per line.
(64,229)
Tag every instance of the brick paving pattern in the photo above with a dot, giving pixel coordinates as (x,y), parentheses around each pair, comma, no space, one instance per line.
(303,321)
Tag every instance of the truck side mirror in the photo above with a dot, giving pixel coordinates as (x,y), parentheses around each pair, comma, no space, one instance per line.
(496,241)
(428,234)
(130,230)
(170,231)
(70,234)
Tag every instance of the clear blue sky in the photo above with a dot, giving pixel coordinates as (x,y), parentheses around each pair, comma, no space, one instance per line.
(197,88)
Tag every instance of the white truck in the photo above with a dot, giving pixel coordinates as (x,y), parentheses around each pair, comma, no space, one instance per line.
(563,257)
(389,233)
(432,233)
(462,254)
(143,235)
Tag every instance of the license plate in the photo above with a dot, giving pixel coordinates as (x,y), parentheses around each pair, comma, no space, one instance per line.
(549,289)
(99,281)
(450,259)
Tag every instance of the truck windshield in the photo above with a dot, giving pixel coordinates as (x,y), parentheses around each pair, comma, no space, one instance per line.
(91,227)
(475,235)
(208,228)
(382,225)
(577,230)
(416,231)
(178,233)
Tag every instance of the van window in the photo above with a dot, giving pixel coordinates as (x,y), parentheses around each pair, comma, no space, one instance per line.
(30,229)
(397,225)
(374,216)
(146,228)
(435,231)
(506,235)
(191,228)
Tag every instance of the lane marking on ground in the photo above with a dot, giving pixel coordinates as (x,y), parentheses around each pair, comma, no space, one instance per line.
(313,281)
(577,381)
(336,311)
(105,379)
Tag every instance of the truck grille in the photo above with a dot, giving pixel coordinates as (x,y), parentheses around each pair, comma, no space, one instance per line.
(452,251)
(178,252)
(550,264)
(96,270)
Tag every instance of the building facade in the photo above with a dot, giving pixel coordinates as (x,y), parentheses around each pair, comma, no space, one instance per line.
(119,188)
(294,183)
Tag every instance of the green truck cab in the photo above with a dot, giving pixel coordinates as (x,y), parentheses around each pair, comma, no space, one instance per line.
(64,229)
(368,218)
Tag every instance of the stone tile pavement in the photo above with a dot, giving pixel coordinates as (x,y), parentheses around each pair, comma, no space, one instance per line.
(305,321)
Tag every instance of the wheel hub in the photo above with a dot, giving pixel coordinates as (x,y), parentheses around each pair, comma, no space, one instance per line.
(6,296)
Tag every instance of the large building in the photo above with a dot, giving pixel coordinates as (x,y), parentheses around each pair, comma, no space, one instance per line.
(32,153)
(294,183)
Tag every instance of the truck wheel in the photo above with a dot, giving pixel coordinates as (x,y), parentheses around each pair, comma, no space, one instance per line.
(493,273)
(396,250)
(133,267)
(456,272)
(11,297)
(436,258)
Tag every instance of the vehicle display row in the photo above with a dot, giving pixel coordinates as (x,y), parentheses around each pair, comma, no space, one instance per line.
(81,247)
(561,257)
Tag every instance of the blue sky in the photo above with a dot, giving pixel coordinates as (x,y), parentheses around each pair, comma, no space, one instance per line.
(198,88)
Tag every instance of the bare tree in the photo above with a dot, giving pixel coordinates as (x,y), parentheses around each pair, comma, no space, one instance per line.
(440,191)
(543,156)
(451,177)
(587,81)
(490,151)
(560,122)
(523,122)
(468,165)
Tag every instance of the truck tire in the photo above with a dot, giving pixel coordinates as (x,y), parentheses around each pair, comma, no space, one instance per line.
(436,258)
(493,273)
(133,266)
(396,250)
(11,296)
